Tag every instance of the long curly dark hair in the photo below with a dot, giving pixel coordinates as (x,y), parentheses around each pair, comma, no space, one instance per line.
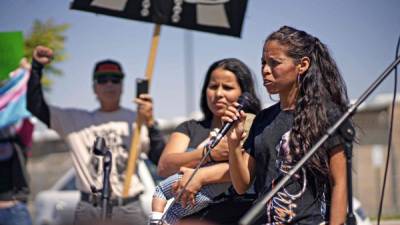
(320,87)
(244,77)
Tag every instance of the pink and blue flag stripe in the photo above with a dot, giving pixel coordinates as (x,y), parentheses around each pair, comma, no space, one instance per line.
(13,98)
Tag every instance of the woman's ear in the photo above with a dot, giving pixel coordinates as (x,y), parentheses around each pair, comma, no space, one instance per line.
(303,65)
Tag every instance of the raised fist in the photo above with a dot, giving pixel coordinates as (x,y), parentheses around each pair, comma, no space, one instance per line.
(43,55)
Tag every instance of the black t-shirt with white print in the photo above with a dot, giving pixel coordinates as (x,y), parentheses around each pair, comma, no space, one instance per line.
(301,201)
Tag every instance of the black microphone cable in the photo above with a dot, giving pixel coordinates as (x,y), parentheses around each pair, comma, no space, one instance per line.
(390,135)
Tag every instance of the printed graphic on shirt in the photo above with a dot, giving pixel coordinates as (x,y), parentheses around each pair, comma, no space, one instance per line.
(80,128)
(116,136)
(288,204)
(281,209)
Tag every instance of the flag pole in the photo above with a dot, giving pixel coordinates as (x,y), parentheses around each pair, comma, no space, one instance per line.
(133,151)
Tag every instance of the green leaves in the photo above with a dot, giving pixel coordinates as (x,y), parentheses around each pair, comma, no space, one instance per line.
(50,35)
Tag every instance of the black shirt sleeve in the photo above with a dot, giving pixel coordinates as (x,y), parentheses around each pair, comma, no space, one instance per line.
(35,100)
(184,127)
(197,131)
(157,140)
(157,143)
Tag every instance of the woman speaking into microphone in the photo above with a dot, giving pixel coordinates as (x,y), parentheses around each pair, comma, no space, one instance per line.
(225,81)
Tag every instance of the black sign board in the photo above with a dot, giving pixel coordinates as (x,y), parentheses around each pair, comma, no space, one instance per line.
(215,16)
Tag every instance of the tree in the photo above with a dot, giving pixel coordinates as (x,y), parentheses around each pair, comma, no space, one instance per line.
(51,35)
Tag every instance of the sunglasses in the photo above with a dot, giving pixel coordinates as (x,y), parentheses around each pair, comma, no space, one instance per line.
(106,79)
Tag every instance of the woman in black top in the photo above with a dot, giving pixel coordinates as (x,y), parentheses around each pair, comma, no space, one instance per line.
(297,67)
(224,82)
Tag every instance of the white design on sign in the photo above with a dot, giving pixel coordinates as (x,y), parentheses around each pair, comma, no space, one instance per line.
(176,11)
(209,12)
(145,8)
(118,5)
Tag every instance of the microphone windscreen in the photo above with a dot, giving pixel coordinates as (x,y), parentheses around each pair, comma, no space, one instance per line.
(99,146)
(245,101)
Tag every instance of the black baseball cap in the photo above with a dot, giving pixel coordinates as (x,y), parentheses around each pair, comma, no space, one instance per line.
(108,67)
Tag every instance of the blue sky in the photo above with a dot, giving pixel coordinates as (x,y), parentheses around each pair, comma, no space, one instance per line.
(361,35)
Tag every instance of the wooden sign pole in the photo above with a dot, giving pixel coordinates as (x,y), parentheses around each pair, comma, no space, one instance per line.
(134,152)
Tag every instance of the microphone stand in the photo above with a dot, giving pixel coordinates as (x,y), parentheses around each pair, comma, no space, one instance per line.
(105,192)
(254,212)
(105,206)
(347,131)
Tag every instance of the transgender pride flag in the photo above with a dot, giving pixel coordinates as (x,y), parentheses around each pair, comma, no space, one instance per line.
(13,98)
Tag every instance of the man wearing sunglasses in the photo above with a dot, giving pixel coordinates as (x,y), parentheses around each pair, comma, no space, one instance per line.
(112,122)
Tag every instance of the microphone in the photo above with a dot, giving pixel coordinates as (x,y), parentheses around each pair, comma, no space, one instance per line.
(244,101)
(99,146)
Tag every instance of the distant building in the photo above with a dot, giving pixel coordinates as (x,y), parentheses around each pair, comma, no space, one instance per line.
(369,161)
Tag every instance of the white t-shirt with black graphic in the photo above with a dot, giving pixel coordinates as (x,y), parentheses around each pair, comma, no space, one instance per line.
(80,128)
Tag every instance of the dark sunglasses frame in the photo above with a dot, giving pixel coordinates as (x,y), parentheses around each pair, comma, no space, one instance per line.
(106,79)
